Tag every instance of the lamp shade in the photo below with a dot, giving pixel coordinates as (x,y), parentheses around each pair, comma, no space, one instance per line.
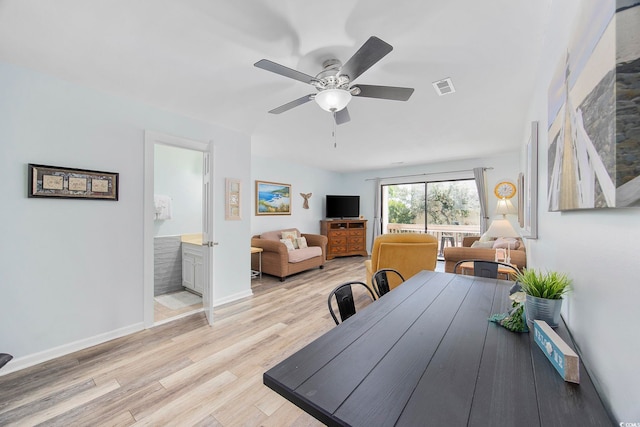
(501,228)
(333,99)
(505,207)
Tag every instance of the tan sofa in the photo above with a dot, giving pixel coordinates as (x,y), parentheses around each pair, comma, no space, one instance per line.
(454,254)
(280,262)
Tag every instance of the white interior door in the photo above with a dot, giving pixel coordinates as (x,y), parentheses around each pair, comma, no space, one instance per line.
(208,242)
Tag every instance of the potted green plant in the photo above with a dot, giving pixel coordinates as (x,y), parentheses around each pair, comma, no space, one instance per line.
(544,292)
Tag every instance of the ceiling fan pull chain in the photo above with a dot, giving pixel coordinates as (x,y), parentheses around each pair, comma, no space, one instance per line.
(335,139)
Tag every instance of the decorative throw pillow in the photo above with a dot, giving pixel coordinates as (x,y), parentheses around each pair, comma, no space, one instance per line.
(302,242)
(485,238)
(271,235)
(292,236)
(506,243)
(479,244)
(288,244)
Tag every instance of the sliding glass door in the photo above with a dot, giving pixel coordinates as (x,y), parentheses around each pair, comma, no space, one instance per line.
(404,208)
(449,210)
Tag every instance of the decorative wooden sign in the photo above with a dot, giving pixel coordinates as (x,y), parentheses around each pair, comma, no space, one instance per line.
(561,356)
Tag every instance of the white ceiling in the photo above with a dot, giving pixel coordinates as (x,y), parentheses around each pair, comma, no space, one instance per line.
(196,57)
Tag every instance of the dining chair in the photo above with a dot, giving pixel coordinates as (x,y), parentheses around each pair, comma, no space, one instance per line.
(380,280)
(408,253)
(490,269)
(344,298)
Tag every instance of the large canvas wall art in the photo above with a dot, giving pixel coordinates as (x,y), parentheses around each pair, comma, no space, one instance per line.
(628,103)
(594,111)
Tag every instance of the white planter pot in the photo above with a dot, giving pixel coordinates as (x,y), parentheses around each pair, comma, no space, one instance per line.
(543,309)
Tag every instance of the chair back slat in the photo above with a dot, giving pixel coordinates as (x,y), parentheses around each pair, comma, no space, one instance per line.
(485,269)
(381,282)
(489,269)
(343,294)
(346,305)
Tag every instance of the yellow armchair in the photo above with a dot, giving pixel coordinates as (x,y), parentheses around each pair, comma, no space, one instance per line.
(407,253)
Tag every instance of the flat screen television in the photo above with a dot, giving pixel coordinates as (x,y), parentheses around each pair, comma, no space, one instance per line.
(343,206)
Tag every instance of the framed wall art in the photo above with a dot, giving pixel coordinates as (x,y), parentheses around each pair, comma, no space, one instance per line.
(232,199)
(530,193)
(70,183)
(520,193)
(594,112)
(273,198)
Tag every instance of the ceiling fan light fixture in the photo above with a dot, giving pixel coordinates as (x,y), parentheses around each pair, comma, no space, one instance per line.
(333,99)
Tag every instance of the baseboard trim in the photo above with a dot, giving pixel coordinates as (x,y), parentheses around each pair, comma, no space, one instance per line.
(20,363)
(63,350)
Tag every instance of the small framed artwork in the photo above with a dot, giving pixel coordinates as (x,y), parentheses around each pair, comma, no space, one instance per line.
(530,205)
(520,193)
(70,183)
(273,198)
(232,200)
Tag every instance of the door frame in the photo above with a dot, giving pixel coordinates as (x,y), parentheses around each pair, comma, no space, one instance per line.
(151,138)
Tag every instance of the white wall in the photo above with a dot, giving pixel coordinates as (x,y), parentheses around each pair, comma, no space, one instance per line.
(598,249)
(178,174)
(303,179)
(232,257)
(71,271)
(505,167)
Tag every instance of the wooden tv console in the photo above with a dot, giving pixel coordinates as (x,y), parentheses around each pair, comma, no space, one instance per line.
(346,237)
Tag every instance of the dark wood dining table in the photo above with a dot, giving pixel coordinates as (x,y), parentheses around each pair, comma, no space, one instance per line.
(425,354)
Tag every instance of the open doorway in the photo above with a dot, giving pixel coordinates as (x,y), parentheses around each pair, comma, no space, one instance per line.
(183,215)
(177,232)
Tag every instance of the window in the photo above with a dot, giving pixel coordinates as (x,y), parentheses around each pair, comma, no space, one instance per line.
(442,208)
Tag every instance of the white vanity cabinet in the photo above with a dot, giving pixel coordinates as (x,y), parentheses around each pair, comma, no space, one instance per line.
(192,267)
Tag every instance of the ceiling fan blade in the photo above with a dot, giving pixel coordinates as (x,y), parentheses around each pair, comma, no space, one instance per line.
(372,51)
(289,105)
(385,92)
(342,116)
(265,64)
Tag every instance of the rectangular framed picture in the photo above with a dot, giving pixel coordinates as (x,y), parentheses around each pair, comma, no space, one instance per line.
(70,183)
(520,193)
(530,205)
(232,200)
(273,198)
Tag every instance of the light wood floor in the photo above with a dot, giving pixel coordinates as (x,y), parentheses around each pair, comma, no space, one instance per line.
(185,372)
(162,312)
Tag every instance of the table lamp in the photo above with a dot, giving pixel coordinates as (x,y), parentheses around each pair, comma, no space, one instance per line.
(502,228)
(505,207)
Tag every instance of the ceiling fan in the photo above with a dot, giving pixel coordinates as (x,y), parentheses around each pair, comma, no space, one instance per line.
(333,83)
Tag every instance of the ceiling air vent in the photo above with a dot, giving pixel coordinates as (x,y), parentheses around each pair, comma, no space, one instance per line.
(444,87)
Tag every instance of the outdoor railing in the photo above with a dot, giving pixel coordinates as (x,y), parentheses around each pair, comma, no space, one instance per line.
(446,234)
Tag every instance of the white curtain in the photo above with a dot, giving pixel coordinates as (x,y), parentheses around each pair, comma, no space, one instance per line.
(478,174)
(376,226)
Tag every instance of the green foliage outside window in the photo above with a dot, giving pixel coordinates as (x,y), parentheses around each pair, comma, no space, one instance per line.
(447,204)
(399,213)
(453,202)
